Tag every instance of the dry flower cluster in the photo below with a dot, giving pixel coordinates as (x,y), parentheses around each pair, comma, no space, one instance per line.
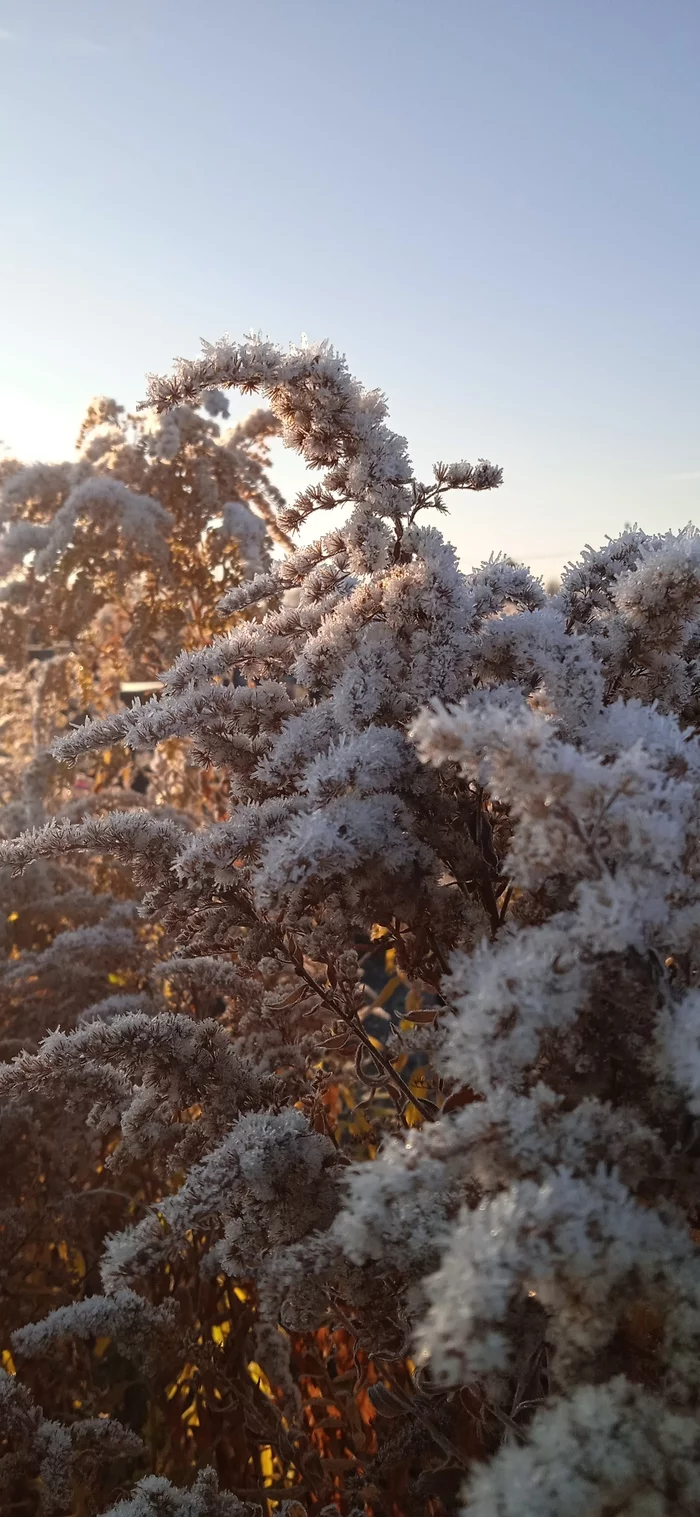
(372,1181)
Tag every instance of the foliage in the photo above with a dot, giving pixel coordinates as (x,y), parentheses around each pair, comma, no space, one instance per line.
(116,584)
(486,1289)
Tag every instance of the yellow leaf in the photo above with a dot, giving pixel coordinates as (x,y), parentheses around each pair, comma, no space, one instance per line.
(8,1362)
(220,1331)
(388,989)
(378,932)
(186,1373)
(358,1125)
(267,1465)
(101,1346)
(259,1378)
(238,1291)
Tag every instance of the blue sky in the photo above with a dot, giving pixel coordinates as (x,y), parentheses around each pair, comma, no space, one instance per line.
(491,206)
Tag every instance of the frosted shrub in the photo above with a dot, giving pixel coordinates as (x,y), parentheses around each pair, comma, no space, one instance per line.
(502,788)
(34,1448)
(109,563)
(123,551)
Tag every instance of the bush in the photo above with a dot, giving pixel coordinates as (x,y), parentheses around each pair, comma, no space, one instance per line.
(477,1281)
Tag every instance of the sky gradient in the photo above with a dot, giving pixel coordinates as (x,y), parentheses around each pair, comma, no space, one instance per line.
(492,208)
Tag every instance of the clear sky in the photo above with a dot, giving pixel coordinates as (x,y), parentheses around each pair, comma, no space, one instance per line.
(491,206)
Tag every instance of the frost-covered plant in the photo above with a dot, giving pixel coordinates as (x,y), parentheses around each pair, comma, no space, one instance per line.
(123,551)
(501,787)
(157,1497)
(56,1460)
(109,563)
